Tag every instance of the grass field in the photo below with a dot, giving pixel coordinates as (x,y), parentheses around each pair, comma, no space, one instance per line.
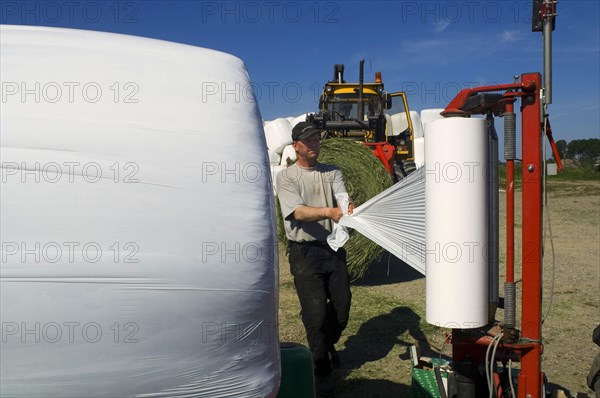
(388,310)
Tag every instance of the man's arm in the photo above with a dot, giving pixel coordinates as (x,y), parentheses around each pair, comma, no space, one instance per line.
(308,213)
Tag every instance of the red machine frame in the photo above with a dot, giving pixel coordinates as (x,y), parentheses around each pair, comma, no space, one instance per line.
(528,347)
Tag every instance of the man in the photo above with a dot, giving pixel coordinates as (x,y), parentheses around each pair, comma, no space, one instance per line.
(306,193)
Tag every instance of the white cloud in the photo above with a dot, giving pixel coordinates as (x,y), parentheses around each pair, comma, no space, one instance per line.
(508,36)
(583,109)
(441,26)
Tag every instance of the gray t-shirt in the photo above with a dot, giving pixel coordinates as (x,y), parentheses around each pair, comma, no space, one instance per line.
(315,187)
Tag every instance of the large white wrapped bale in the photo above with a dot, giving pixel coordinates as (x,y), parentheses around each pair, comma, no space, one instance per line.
(288,153)
(138,249)
(427,115)
(419,146)
(274,157)
(275,169)
(400,124)
(298,119)
(279,134)
(417,125)
(389,128)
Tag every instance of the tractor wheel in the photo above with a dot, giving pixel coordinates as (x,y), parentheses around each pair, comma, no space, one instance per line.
(402,168)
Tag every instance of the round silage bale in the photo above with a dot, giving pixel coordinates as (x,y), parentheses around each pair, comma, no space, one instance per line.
(177,295)
(364,176)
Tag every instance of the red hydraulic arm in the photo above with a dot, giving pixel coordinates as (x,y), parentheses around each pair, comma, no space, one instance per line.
(559,165)
(384,152)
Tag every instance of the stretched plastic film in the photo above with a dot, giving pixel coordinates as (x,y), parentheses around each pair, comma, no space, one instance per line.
(394,219)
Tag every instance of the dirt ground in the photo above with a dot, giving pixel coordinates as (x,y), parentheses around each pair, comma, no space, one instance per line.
(388,312)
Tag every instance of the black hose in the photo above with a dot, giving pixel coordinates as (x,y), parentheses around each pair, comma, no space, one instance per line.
(440,382)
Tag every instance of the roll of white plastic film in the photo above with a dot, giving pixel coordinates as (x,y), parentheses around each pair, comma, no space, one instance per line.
(456,222)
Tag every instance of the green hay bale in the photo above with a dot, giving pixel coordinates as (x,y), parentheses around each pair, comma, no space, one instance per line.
(365,177)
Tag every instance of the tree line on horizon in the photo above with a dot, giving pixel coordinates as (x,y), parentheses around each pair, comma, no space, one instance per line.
(584,151)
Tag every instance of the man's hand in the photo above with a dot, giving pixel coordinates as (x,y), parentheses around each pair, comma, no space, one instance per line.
(350,207)
(335,213)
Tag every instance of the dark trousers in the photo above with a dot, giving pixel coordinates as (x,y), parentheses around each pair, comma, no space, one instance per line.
(323,287)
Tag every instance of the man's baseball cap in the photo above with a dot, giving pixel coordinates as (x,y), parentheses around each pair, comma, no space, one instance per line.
(303,130)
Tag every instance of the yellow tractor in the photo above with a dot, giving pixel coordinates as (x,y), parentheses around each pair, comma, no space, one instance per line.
(364,111)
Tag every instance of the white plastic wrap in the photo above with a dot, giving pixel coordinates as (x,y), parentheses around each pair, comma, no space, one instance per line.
(138,249)
(339,236)
(456,222)
(400,124)
(275,169)
(427,115)
(279,134)
(274,157)
(288,152)
(417,125)
(298,119)
(394,219)
(419,145)
(389,127)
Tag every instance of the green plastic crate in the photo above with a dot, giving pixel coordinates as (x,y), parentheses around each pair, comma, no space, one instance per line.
(424,384)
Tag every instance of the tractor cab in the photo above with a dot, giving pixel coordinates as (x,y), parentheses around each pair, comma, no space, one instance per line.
(366,112)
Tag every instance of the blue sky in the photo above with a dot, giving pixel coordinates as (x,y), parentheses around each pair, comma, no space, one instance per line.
(430,49)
